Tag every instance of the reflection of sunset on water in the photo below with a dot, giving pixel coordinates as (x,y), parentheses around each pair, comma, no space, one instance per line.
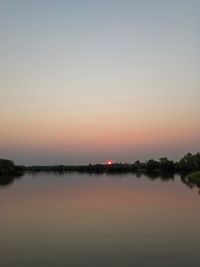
(123,216)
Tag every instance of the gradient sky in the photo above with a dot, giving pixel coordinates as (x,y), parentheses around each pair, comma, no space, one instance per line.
(86,81)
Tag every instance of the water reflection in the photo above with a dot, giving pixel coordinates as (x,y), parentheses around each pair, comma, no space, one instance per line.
(86,220)
(6,180)
(189,183)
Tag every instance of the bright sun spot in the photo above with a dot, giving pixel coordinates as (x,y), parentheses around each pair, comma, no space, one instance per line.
(109,162)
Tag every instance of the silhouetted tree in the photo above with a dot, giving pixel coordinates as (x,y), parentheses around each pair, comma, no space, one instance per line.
(152,165)
(6,166)
(166,165)
(189,162)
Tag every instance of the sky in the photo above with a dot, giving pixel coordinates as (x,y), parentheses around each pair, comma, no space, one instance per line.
(89,81)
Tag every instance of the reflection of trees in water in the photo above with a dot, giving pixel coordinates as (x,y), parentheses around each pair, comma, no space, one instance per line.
(191,184)
(163,176)
(6,180)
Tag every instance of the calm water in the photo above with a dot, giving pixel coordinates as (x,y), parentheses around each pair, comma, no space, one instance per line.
(87,220)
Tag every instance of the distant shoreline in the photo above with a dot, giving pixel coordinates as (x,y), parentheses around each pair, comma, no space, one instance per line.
(188,164)
(188,167)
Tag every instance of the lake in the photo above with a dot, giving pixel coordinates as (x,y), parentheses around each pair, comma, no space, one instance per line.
(76,220)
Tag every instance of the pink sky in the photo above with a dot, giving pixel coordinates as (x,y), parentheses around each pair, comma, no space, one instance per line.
(95,82)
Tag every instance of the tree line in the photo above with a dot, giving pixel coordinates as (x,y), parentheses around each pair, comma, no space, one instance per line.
(8,167)
(188,163)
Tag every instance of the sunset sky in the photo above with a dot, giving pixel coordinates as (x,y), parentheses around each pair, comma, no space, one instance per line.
(90,81)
